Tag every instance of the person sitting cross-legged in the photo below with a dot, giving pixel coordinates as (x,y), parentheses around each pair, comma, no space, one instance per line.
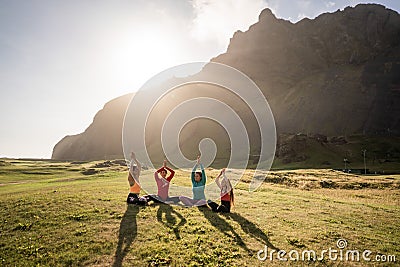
(133,178)
(198,185)
(227,197)
(163,183)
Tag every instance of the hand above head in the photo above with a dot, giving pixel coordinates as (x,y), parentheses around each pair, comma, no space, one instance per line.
(133,155)
(198,159)
(165,163)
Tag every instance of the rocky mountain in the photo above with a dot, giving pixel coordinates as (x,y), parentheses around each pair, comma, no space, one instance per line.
(338,74)
(335,75)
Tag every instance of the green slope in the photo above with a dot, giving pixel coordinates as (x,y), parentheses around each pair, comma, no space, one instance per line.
(65,218)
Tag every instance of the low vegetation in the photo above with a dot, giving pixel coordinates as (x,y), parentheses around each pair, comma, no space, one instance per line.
(62,214)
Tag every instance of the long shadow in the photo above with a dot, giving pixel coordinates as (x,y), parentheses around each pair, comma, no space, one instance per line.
(222,225)
(171,217)
(250,228)
(127,233)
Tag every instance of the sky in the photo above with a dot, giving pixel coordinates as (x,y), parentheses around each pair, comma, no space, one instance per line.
(61,61)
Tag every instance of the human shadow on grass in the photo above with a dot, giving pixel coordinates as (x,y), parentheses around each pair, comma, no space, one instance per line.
(171,218)
(250,228)
(127,233)
(222,225)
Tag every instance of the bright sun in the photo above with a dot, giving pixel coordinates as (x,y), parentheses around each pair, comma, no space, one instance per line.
(136,57)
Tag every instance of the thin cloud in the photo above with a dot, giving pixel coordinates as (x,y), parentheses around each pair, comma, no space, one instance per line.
(330,4)
(216,21)
(301,16)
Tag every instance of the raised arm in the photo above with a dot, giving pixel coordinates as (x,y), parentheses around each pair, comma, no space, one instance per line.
(194,169)
(203,173)
(159,170)
(139,166)
(219,176)
(228,186)
(171,173)
(193,172)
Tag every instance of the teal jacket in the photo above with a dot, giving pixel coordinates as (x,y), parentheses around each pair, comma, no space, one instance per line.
(198,187)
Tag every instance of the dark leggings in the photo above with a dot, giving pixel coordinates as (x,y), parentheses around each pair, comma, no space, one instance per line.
(157,199)
(135,199)
(224,207)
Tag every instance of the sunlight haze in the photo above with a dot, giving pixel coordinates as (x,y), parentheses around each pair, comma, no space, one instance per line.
(61,61)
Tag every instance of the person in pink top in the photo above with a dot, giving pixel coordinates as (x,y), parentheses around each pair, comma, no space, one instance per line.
(163,185)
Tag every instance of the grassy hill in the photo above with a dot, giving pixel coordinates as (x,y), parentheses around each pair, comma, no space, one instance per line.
(318,151)
(74,214)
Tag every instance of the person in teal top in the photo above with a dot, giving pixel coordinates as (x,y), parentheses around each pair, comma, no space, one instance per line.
(199,180)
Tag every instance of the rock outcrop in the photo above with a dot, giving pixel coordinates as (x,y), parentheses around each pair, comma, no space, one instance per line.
(337,74)
(101,140)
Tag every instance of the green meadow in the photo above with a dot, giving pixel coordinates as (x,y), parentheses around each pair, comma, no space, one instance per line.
(75,214)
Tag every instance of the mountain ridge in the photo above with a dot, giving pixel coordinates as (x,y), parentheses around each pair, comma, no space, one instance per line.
(312,67)
(322,76)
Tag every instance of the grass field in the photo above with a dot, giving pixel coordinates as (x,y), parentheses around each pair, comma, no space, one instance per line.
(74,214)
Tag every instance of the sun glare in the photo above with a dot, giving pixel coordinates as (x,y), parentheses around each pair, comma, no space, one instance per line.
(138,56)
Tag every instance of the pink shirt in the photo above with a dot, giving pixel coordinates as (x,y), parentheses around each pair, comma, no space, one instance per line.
(163,184)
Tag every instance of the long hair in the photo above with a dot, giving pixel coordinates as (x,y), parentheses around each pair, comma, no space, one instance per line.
(231,195)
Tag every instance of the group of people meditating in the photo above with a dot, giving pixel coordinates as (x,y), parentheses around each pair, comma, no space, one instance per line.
(163,178)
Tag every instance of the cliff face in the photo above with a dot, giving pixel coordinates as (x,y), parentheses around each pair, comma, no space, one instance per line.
(338,74)
(101,140)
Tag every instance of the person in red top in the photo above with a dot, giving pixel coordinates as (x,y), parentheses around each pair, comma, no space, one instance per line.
(227,197)
(163,185)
